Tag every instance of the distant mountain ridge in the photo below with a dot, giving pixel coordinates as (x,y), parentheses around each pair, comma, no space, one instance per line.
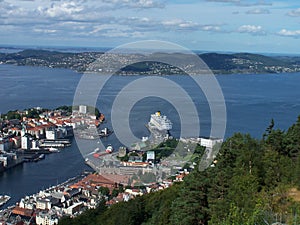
(244,63)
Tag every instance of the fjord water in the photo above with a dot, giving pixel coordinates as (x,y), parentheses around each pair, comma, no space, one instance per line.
(251,102)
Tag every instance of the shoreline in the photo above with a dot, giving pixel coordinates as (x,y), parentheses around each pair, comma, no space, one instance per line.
(69,181)
(216,73)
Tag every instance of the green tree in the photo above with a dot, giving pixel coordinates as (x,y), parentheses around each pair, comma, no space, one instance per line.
(191,207)
(114,193)
(104,191)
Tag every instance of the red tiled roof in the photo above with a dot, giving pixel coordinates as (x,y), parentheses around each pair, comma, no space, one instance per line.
(21,211)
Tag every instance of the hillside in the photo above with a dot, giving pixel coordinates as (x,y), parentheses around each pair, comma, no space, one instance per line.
(244,63)
(252,182)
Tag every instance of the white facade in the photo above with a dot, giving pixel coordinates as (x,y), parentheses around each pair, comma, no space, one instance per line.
(51,134)
(44,218)
(210,142)
(35,144)
(26,204)
(4,160)
(83,109)
(150,155)
(43,204)
(25,142)
(73,208)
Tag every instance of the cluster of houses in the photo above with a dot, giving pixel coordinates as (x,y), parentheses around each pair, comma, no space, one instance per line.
(41,132)
(73,198)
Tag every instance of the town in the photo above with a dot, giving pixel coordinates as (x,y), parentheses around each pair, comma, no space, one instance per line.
(119,176)
(30,134)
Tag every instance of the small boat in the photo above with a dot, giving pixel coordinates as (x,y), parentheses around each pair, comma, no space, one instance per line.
(52,149)
(96,150)
(41,156)
(4,199)
(109,149)
(98,155)
(105,132)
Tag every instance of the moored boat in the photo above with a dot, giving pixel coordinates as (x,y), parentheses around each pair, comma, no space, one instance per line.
(41,156)
(109,149)
(4,199)
(52,149)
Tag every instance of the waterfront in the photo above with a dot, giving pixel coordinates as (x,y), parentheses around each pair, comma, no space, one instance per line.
(252,100)
(30,178)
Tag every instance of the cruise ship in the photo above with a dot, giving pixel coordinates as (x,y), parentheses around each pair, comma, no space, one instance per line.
(160,122)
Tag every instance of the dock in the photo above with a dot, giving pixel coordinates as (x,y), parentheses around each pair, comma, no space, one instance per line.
(59,143)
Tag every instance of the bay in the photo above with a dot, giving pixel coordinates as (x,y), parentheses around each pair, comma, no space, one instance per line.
(251,101)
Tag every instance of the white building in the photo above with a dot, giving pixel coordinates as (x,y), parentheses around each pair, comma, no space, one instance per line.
(26,141)
(4,160)
(35,144)
(5,144)
(150,156)
(209,142)
(75,208)
(51,134)
(83,109)
(43,203)
(26,203)
(45,218)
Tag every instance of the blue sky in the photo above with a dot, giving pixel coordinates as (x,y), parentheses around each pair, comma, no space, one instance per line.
(209,25)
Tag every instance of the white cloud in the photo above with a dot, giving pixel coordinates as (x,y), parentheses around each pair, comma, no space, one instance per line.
(211,28)
(251,29)
(8,9)
(294,13)
(258,3)
(243,2)
(180,24)
(230,1)
(134,3)
(45,31)
(61,10)
(289,33)
(258,11)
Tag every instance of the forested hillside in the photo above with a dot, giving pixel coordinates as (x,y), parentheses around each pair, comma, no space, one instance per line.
(253,182)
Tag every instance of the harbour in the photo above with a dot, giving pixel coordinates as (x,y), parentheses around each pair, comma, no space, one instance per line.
(256,93)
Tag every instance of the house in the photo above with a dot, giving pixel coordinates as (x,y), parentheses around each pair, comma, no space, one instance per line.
(5,143)
(209,142)
(46,218)
(75,208)
(43,203)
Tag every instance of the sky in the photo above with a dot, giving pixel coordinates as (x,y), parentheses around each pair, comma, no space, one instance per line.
(257,26)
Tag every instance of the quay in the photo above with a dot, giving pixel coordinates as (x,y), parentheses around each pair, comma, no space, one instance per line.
(59,143)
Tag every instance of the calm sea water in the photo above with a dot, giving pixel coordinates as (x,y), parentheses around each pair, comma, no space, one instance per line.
(251,101)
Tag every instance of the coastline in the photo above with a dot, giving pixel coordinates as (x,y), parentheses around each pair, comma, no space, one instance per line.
(218,63)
